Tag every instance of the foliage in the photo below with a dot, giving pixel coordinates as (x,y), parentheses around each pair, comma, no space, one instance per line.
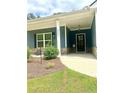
(28,53)
(50,52)
(50,65)
(32,16)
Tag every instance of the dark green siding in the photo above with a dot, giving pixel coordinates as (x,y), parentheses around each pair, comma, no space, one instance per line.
(30,40)
(62,37)
(71,36)
(93,28)
(68,37)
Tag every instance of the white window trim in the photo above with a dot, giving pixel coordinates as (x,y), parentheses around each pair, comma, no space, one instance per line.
(65,37)
(43,39)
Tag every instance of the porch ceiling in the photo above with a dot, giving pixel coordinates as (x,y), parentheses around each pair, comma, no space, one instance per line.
(73,20)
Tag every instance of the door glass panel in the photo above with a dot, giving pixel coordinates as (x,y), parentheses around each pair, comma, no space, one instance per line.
(81,37)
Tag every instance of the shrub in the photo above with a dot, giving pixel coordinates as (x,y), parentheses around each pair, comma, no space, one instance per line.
(50,65)
(28,53)
(50,52)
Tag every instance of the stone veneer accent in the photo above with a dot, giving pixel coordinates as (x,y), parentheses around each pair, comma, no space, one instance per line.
(94,51)
(64,50)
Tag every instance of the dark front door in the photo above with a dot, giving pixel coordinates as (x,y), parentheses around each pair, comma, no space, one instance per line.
(80,42)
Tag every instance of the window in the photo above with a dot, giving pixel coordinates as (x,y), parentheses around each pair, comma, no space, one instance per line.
(44,39)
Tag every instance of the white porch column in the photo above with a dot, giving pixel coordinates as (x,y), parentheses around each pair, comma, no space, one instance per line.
(58,37)
(65,37)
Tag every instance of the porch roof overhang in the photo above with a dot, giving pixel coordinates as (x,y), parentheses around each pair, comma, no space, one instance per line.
(73,20)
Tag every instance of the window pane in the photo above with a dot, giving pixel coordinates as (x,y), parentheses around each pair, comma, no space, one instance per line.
(40,44)
(47,43)
(47,36)
(40,37)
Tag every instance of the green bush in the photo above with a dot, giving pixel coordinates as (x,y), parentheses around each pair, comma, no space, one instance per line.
(28,53)
(50,52)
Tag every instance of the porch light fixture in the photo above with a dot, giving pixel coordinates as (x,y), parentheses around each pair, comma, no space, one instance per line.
(73,45)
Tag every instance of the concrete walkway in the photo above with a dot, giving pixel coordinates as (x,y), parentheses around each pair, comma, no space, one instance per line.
(83,63)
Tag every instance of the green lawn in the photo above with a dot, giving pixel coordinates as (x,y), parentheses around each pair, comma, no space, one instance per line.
(66,81)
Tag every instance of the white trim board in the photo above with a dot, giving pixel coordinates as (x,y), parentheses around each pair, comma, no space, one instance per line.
(80,28)
(65,37)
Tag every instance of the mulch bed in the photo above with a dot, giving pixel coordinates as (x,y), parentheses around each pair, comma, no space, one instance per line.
(36,69)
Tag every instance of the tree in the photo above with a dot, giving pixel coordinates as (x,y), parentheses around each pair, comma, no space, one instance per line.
(30,16)
(38,16)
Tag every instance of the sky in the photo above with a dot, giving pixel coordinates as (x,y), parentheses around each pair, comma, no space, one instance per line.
(48,7)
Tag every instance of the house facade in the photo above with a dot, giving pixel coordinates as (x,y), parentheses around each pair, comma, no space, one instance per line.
(70,32)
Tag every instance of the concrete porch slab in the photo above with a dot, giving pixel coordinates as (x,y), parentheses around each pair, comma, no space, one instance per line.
(83,63)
